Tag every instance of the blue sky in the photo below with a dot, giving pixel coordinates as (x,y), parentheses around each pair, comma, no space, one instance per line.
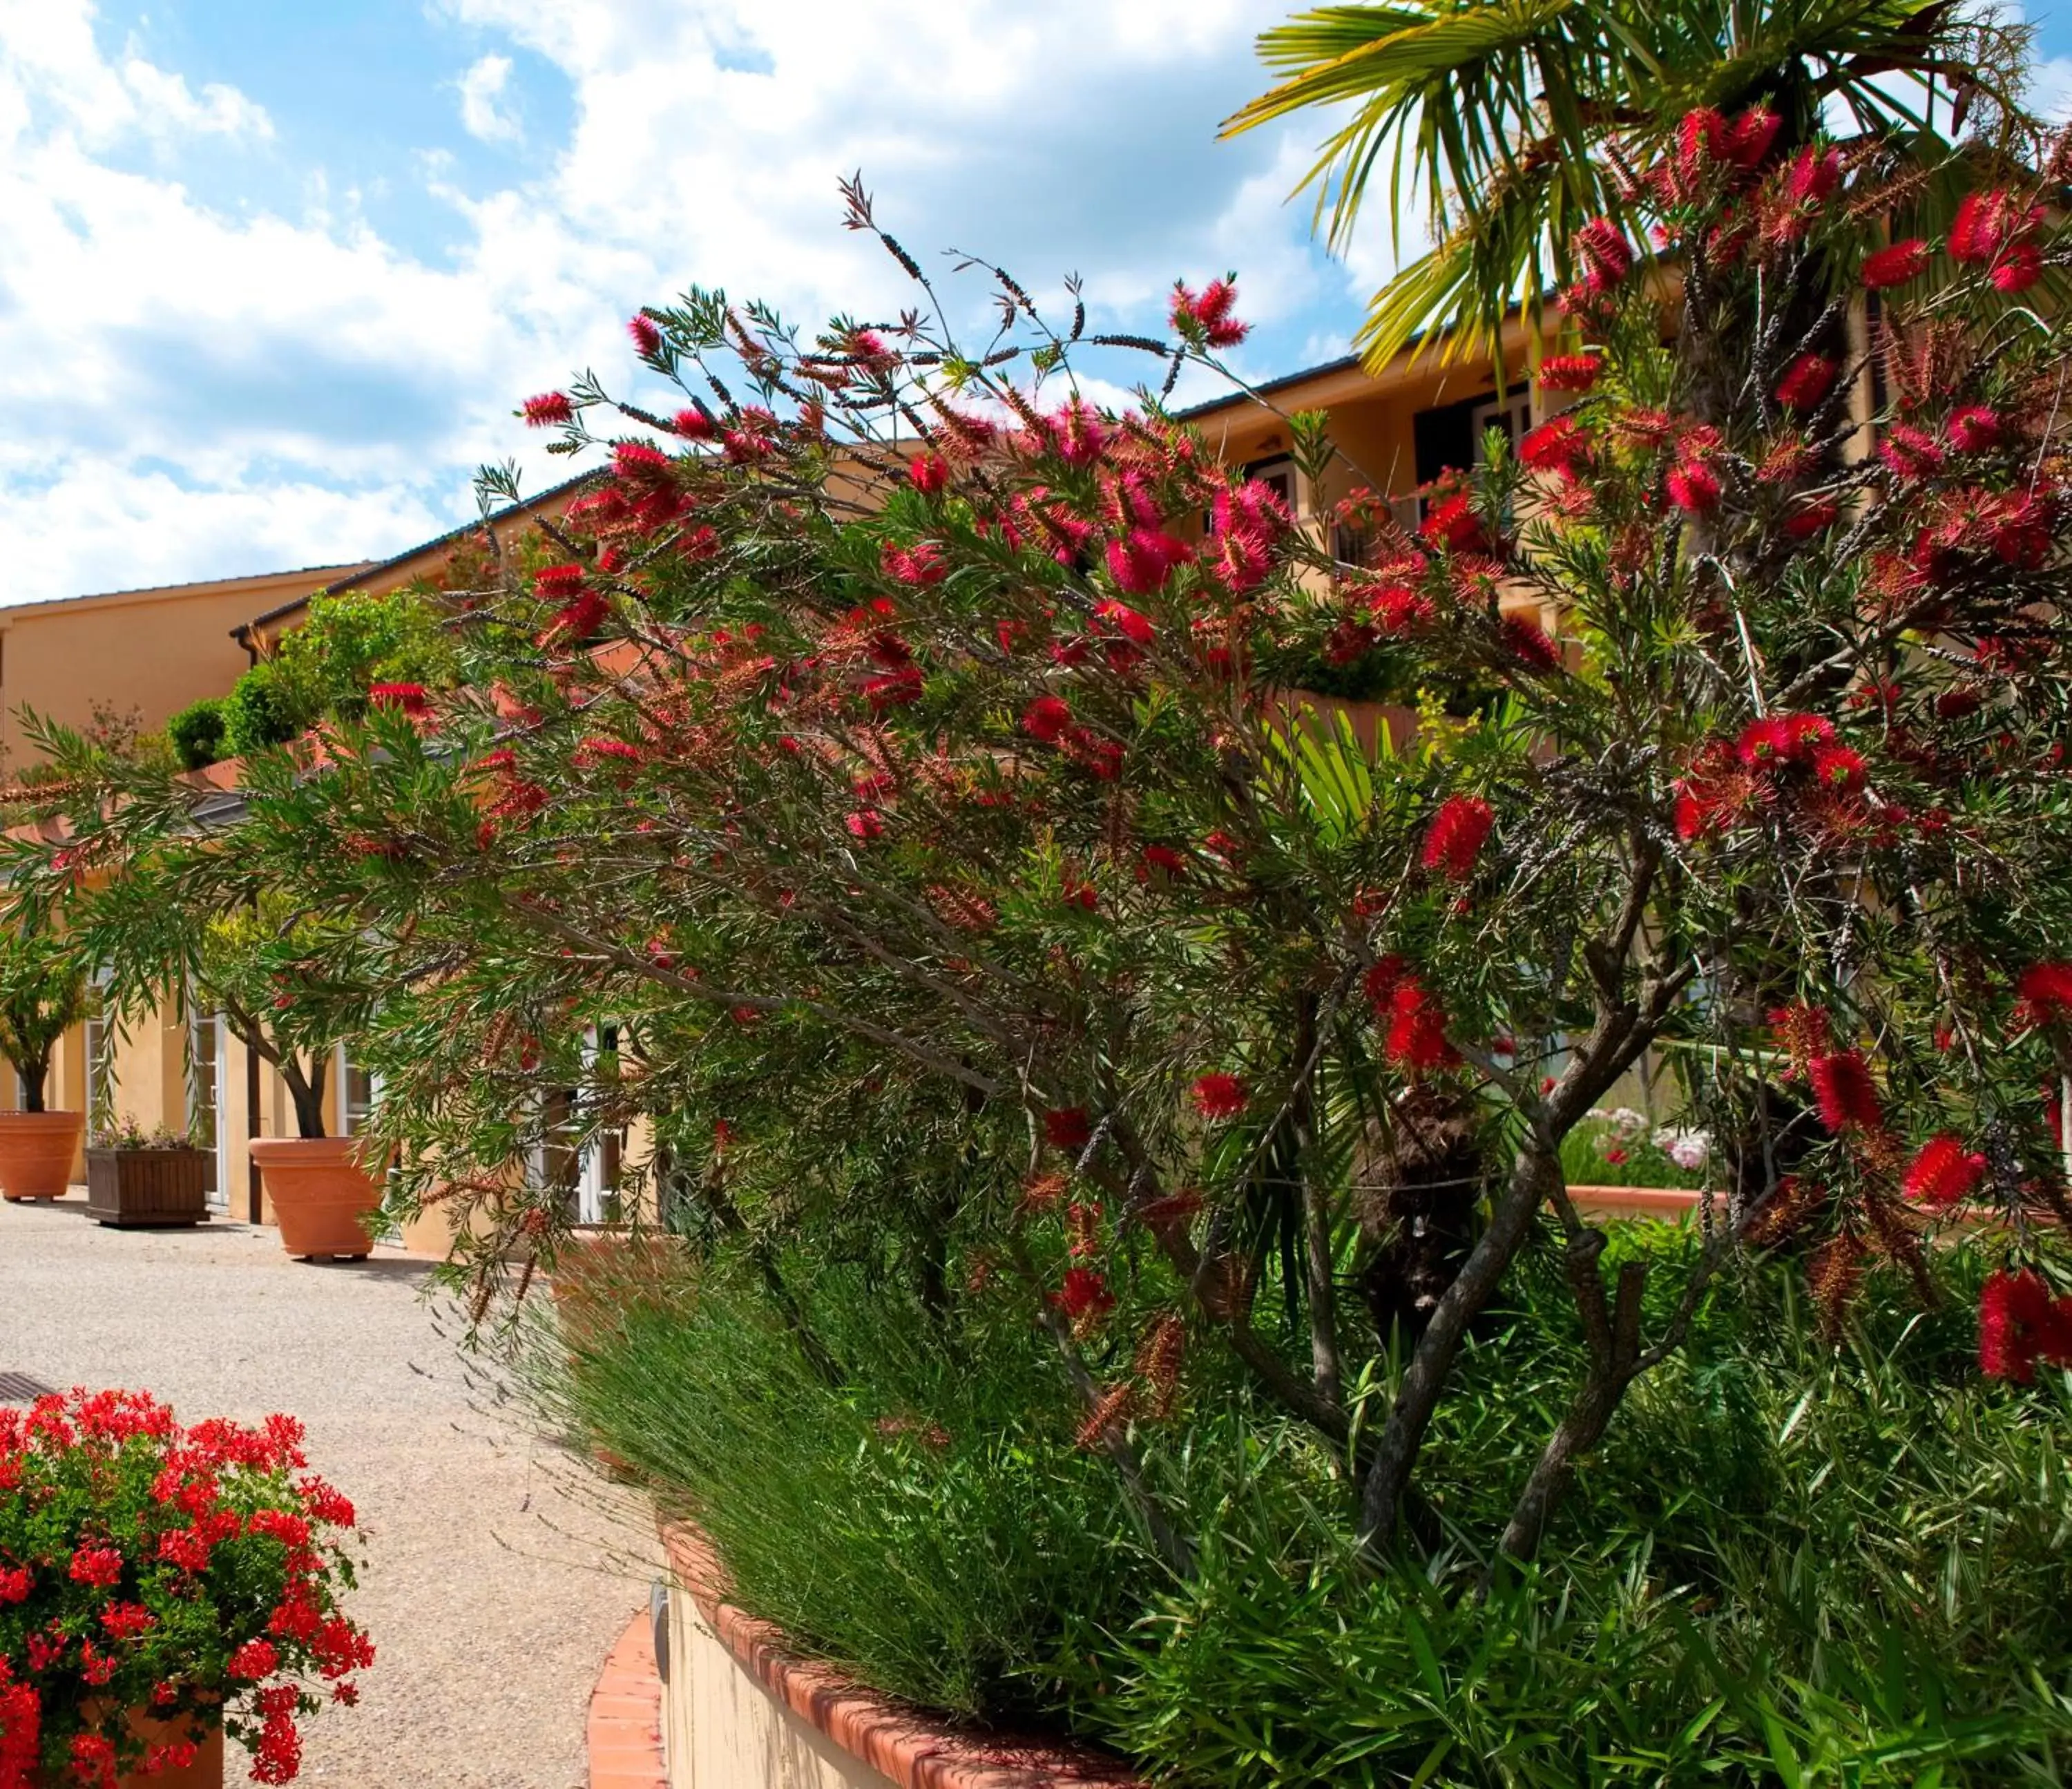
(273,275)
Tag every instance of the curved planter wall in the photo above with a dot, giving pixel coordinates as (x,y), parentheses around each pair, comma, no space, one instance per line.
(740,1713)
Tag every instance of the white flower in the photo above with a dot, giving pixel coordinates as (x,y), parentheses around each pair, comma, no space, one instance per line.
(1627,1122)
(1689,1149)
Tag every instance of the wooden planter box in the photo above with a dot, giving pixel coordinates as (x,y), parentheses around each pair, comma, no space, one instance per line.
(136,1189)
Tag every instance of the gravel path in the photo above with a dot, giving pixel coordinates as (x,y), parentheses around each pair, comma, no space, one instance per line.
(498,1570)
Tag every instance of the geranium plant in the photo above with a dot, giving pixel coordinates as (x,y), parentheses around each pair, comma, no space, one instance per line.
(189,1575)
(895,747)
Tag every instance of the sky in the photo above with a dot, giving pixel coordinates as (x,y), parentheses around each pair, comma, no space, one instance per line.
(274,276)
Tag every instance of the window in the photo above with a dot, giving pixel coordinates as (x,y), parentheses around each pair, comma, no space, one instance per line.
(98,1037)
(1511,415)
(1278,475)
(204,1084)
(357,1088)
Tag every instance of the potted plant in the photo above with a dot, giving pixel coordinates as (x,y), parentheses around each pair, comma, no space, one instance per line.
(43,994)
(161,1587)
(136,1179)
(246,966)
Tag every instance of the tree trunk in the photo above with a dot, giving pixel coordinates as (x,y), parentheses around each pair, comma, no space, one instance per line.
(34,1073)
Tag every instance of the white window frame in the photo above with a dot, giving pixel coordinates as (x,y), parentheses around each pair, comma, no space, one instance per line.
(1514,408)
(206,1030)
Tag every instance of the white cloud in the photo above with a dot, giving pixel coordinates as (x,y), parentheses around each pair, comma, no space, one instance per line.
(164,104)
(216,390)
(482,88)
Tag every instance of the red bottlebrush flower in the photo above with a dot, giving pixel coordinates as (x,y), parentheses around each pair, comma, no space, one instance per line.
(99,1566)
(579,620)
(1559,446)
(1814,516)
(637,462)
(1143,559)
(1605,252)
(1569,373)
(1076,433)
(1220,1097)
(1160,859)
(1129,622)
(1701,136)
(1082,1295)
(1452,524)
(548,409)
(1885,268)
(1382,980)
(1808,380)
(1815,174)
(894,689)
(865,824)
(1396,608)
(1974,429)
(1456,835)
(1047,718)
(409,698)
(1941,1173)
(1080,894)
(1694,488)
(1750,137)
(694,424)
(558,583)
(930,474)
(2046,992)
(2019,269)
(1067,1128)
(1987,224)
(2019,1321)
(1910,452)
(646,337)
(1844,1092)
(1416,1038)
(1527,642)
(920,567)
(1802,1029)
(1207,317)
(1838,767)
(254,1659)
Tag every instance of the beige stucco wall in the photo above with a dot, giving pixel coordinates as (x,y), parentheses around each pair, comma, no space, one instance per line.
(152,652)
(723,1730)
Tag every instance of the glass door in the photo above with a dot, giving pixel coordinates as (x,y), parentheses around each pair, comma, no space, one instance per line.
(206,1073)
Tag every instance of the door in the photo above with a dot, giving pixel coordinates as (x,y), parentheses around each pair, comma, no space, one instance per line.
(207,1069)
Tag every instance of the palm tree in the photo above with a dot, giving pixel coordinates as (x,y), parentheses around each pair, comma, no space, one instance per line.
(1485,115)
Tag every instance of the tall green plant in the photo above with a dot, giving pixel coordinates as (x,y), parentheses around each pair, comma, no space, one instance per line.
(1488,122)
(43,995)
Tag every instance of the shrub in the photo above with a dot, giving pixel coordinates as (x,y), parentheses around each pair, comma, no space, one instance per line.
(192,1573)
(258,713)
(196,732)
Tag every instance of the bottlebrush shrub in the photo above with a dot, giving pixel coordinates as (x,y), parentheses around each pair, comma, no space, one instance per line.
(190,1573)
(894,735)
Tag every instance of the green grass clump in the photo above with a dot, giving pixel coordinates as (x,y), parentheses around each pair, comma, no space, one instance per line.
(1791,1563)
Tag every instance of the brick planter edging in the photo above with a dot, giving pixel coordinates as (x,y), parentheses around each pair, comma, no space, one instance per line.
(624,1732)
(914,1751)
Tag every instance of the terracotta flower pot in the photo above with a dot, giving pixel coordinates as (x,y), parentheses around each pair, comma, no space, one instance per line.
(206,1772)
(37,1150)
(1671,1202)
(321,1193)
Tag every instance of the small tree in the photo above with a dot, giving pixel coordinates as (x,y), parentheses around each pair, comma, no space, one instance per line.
(891,751)
(43,995)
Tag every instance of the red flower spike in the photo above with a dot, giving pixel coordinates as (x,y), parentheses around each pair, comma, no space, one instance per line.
(1557,446)
(548,410)
(2019,269)
(2044,990)
(1694,488)
(2019,1321)
(1838,767)
(1083,1295)
(1569,373)
(1976,428)
(1808,380)
(1604,252)
(1047,718)
(1815,173)
(1844,1092)
(1132,625)
(1067,1128)
(646,337)
(1452,524)
(1416,1038)
(694,424)
(1896,266)
(1455,837)
(1220,1097)
(930,474)
(1941,1173)
(1750,137)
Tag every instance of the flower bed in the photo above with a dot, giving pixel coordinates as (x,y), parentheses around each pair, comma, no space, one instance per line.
(187,1578)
